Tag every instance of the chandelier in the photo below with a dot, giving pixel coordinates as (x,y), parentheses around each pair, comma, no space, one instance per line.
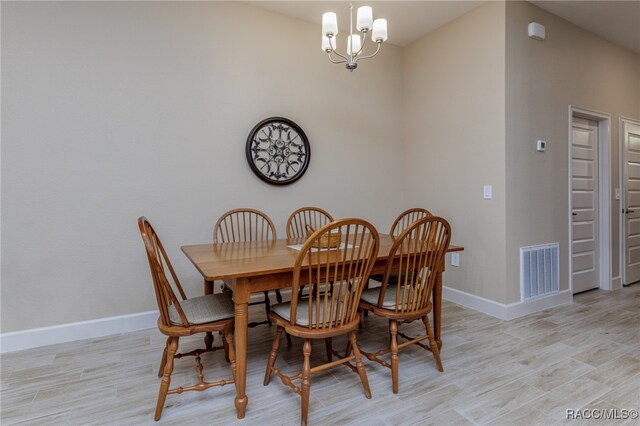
(355,42)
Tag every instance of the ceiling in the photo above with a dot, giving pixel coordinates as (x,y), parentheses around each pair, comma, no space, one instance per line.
(408,21)
(616,21)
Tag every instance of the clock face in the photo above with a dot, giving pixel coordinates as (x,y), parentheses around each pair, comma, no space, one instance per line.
(278,151)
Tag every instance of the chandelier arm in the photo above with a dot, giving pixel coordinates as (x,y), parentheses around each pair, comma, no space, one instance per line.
(374,53)
(334,51)
(333,60)
(364,41)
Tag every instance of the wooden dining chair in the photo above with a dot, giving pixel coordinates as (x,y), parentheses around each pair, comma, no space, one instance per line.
(406,218)
(240,225)
(300,219)
(181,317)
(326,314)
(401,223)
(415,256)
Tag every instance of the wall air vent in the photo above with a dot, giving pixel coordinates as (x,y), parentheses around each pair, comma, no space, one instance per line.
(539,271)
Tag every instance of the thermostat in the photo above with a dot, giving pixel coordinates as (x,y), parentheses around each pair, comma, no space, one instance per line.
(541,145)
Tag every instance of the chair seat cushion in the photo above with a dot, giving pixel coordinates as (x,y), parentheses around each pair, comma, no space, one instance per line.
(302,315)
(371,296)
(393,278)
(203,309)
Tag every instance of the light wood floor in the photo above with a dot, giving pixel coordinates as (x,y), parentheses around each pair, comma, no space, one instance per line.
(526,371)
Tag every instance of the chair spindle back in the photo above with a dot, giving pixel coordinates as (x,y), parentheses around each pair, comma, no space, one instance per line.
(159,263)
(406,218)
(347,267)
(416,255)
(240,225)
(313,216)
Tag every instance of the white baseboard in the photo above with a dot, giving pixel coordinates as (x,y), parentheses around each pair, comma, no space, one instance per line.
(505,311)
(468,300)
(616,283)
(519,309)
(36,337)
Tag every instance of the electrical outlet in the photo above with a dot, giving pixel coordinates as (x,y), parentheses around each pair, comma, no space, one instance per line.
(455,259)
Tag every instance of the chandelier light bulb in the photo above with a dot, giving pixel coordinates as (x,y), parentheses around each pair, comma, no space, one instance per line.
(365,18)
(329,24)
(353,44)
(326,44)
(379,33)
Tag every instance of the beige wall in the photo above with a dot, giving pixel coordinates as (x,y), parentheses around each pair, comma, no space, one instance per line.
(571,67)
(454,112)
(113,110)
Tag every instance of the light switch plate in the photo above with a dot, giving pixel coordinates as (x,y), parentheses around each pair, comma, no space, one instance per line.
(487,192)
(455,259)
(617,193)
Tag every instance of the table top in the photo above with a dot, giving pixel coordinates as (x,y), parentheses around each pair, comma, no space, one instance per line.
(253,258)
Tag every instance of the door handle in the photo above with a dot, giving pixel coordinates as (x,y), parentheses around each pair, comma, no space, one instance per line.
(574,214)
(630,211)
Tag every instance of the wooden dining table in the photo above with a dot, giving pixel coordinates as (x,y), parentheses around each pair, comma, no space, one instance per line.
(257,266)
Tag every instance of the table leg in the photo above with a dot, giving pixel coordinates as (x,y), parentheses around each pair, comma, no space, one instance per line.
(241,299)
(437,308)
(208,338)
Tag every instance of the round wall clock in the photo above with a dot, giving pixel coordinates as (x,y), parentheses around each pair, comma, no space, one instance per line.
(278,151)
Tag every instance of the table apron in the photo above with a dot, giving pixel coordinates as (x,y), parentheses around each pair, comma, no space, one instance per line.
(284,279)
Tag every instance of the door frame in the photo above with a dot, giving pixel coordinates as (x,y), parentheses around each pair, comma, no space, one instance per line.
(604,194)
(622,203)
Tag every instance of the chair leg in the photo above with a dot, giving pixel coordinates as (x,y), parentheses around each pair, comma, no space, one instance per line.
(366,287)
(306,383)
(163,361)
(273,355)
(347,351)
(278,296)
(329,346)
(393,330)
(267,306)
(432,342)
(230,347)
(172,347)
(360,365)
(225,346)
(288,337)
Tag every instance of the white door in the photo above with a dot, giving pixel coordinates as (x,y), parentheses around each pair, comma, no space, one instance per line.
(631,212)
(584,204)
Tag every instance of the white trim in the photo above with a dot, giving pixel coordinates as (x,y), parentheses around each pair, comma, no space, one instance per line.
(518,309)
(622,203)
(44,336)
(468,300)
(616,283)
(604,193)
(504,311)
